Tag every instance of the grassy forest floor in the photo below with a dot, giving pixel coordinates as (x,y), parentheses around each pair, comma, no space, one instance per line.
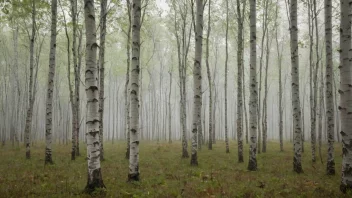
(165,174)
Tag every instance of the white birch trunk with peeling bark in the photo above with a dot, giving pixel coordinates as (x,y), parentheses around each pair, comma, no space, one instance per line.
(28,126)
(103,13)
(296,107)
(197,81)
(345,97)
(133,174)
(253,98)
(50,88)
(330,111)
(95,179)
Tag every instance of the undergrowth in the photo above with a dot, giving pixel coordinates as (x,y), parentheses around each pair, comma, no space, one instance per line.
(165,174)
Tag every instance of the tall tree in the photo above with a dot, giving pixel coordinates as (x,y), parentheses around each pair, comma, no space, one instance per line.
(297,166)
(133,174)
(95,179)
(240,20)
(311,86)
(264,29)
(265,106)
(183,43)
(330,111)
(103,14)
(127,100)
(50,88)
(226,71)
(27,130)
(279,59)
(345,97)
(77,71)
(210,142)
(197,80)
(169,104)
(253,103)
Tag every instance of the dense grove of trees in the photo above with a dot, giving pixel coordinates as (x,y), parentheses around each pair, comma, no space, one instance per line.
(197,71)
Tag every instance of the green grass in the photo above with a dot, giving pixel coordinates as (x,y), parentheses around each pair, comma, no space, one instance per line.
(165,174)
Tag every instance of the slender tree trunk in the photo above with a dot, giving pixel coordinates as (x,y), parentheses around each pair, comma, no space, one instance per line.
(197,81)
(303,125)
(226,68)
(279,59)
(244,101)
(170,120)
(297,166)
(95,179)
(320,113)
(260,119)
(133,174)
(316,89)
(337,118)
(345,97)
(252,165)
(311,70)
(265,107)
(180,41)
(330,111)
(210,142)
(127,100)
(50,88)
(28,126)
(76,74)
(18,108)
(74,93)
(239,81)
(103,14)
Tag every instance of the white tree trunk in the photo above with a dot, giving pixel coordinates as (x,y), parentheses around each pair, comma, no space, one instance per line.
(103,13)
(75,101)
(169,104)
(226,68)
(239,81)
(127,100)
(28,126)
(95,179)
(265,107)
(296,113)
(133,174)
(50,88)
(210,142)
(330,111)
(253,99)
(279,57)
(346,97)
(197,80)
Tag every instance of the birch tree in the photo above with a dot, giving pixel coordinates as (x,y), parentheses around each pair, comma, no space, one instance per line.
(133,174)
(183,43)
(311,86)
(50,88)
(240,20)
(297,166)
(103,13)
(330,111)
(28,125)
(95,179)
(279,60)
(226,71)
(128,61)
(345,97)
(77,71)
(253,98)
(210,142)
(197,80)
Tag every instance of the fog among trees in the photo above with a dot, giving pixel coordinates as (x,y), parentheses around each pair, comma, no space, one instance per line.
(192,86)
